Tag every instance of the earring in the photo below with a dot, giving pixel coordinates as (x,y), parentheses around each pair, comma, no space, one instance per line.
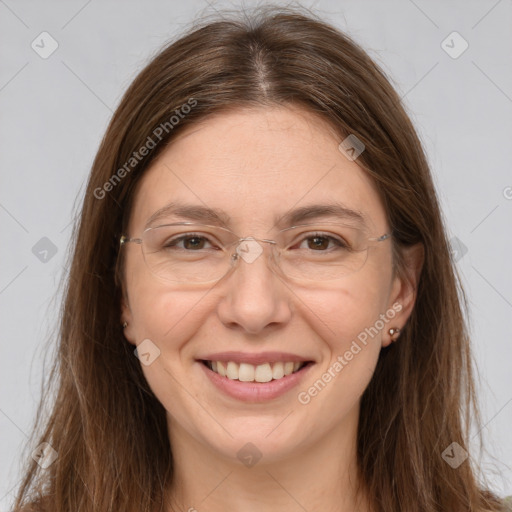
(125,325)
(394,333)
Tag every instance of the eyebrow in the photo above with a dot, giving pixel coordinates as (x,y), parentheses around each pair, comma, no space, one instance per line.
(218,217)
(198,213)
(316,211)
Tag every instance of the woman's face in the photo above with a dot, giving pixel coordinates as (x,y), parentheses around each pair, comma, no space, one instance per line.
(254,166)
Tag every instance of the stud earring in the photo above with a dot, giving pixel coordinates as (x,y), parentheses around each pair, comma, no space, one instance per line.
(394,332)
(125,325)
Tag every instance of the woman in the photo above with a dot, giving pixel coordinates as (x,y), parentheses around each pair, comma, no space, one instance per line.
(262,312)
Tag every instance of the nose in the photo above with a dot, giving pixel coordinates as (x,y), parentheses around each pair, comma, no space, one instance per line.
(255,297)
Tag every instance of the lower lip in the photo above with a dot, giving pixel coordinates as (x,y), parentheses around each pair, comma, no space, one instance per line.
(255,391)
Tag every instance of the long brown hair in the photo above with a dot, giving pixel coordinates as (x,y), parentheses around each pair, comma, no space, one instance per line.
(106,425)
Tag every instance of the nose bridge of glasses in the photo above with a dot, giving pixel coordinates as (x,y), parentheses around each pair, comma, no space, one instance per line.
(250,248)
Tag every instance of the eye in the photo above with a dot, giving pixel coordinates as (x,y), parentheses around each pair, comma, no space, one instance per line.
(321,242)
(191,242)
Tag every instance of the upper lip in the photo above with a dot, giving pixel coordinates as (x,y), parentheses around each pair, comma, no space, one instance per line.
(254,358)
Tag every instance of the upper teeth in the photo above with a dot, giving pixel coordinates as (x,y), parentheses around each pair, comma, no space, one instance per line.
(249,373)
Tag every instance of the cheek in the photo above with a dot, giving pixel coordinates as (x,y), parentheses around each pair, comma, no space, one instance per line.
(345,313)
(351,327)
(169,319)
(165,316)
(158,311)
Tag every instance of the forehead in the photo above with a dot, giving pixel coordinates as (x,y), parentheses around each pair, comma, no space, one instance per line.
(254,166)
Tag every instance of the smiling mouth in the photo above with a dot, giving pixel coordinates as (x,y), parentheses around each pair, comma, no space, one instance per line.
(245,372)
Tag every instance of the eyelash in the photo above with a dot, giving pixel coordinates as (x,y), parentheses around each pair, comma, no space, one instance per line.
(338,242)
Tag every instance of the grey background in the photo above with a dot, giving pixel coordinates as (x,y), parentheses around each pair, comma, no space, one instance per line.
(54,112)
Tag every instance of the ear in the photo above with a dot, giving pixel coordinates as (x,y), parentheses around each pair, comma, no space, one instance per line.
(127,316)
(404,288)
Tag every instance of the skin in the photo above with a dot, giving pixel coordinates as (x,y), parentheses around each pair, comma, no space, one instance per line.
(238,161)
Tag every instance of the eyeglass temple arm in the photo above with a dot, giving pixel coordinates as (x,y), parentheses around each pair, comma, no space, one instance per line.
(385,236)
(124,240)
